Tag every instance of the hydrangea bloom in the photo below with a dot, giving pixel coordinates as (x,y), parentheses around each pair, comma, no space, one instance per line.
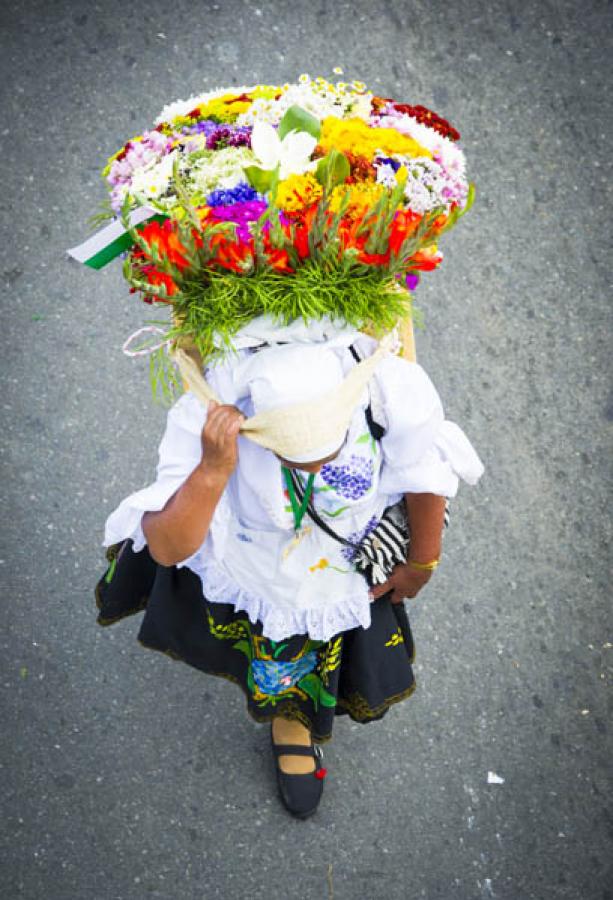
(352,480)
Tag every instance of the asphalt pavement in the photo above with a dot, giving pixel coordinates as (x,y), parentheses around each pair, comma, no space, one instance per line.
(128,775)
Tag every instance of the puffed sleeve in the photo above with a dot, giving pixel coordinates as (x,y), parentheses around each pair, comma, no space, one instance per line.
(179,452)
(422,451)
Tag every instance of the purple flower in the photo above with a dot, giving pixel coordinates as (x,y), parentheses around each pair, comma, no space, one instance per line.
(207,127)
(394,163)
(218,136)
(229,136)
(242,193)
(356,537)
(352,480)
(242,214)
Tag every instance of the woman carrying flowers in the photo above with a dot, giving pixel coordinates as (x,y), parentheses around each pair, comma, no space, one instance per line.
(304,474)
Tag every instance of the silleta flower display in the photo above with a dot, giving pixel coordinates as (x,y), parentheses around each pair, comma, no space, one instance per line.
(306,200)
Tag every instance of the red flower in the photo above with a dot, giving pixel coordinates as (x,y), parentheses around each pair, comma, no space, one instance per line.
(279,261)
(243,98)
(374,259)
(405,224)
(166,241)
(230,254)
(302,224)
(432,119)
(425,260)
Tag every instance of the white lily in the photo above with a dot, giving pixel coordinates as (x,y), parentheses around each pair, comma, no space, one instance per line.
(292,153)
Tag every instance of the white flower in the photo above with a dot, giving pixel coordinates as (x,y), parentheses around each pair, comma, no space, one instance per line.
(153,180)
(320,102)
(219,169)
(386,175)
(450,155)
(292,153)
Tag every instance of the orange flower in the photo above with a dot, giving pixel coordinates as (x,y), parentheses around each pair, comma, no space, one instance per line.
(374,259)
(348,235)
(405,224)
(426,260)
(230,254)
(279,261)
(302,224)
(166,242)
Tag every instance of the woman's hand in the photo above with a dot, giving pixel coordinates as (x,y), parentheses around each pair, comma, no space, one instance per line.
(404,582)
(219,438)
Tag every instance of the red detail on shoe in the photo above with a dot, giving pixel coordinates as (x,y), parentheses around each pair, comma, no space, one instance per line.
(321,773)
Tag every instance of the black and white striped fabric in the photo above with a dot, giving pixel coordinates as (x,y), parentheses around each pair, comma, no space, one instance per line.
(387,545)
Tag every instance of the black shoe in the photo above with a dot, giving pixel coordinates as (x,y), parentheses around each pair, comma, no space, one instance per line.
(300,793)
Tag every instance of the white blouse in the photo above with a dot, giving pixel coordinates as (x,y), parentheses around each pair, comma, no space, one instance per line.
(249,557)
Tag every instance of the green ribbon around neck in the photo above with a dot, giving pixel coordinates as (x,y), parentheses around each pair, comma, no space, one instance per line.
(298,509)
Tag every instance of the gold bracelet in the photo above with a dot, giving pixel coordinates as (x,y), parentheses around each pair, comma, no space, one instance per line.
(424,567)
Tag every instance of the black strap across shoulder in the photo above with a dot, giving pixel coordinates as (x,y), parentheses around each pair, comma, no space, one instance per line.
(375,429)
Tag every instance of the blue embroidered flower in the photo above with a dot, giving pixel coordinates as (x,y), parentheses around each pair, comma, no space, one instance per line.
(275,677)
(243,537)
(352,480)
(357,536)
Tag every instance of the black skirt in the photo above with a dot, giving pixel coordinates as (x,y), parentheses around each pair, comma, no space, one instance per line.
(359,672)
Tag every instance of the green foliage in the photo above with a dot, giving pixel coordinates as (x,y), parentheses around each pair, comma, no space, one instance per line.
(311,685)
(298,119)
(213,308)
(244,647)
(332,169)
(105,214)
(163,377)
(259,179)
(325,698)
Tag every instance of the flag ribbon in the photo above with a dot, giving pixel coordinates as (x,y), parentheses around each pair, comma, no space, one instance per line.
(105,245)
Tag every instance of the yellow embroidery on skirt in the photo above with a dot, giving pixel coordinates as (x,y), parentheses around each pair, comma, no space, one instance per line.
(395,639)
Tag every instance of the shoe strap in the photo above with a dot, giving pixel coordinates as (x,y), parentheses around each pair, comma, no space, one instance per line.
(292,750)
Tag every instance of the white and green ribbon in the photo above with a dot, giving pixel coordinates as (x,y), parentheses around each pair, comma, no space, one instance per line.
(106,244)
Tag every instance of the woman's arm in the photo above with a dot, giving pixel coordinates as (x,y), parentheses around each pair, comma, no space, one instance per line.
(177,530)
(426,515)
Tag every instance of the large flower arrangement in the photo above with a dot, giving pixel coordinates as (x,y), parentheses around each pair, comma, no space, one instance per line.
(304,200)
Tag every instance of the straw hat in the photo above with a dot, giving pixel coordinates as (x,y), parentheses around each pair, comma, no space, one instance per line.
(304,431)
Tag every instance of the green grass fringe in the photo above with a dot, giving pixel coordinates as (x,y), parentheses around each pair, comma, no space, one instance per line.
(212,310)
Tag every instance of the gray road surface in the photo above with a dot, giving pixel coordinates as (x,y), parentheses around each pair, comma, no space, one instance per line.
(126,775)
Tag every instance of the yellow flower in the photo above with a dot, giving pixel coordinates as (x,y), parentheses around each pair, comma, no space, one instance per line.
(322,564)
(222,110)
(298,191)
(356,136)
(362,195)
(402,174)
